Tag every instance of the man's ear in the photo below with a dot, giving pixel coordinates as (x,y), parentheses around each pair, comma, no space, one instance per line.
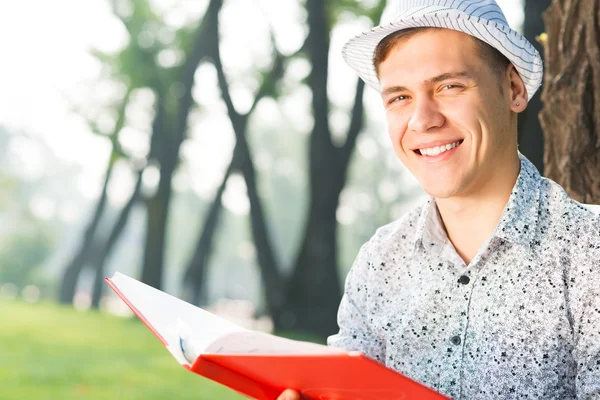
(518,92)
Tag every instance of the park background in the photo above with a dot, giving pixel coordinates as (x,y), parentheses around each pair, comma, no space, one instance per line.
(219,150)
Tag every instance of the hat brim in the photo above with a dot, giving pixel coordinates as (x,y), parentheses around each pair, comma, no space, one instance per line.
(359,51)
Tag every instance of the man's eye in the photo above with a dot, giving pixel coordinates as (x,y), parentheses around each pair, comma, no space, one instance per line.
(397,99)
(450,87)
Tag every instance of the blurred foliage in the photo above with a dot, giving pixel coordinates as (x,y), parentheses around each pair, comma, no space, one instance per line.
(355,8)
(135,64)
(8,186)
(23,252)
(26,240)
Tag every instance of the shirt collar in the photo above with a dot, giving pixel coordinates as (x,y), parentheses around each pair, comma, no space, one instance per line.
(517,223)
(430,231)
(519,219)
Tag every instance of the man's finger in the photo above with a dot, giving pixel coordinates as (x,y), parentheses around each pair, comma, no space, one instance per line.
(289,394)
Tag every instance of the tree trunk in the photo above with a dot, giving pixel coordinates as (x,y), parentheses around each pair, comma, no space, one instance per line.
(195,273)
(314,290)
(169,136)
(270,272)
(100,261)
(157,210)
(241,160)
(571,114)
(310,300)
(85,251)
(531,136)
(267,262)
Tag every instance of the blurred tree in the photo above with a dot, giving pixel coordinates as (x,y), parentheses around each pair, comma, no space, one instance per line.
(308,300)
(86,250)
(313,291)
(195,273)
(194,277)
(531,136)
(169,131)
(270,271)
(571,113)
(134,67)
(138,66)
(98,264)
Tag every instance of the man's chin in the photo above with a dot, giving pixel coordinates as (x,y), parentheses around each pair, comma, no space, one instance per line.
(440,192)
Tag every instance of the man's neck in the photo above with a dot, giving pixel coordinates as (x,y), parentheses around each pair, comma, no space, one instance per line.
(470,220)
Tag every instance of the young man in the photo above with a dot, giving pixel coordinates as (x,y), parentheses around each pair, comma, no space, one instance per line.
(490,290)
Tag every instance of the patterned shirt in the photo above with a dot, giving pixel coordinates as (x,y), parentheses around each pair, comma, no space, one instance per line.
(521,321)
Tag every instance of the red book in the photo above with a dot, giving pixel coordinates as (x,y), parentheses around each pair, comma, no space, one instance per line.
(257,364)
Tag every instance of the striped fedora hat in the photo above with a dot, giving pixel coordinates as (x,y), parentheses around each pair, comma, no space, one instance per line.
(482,19)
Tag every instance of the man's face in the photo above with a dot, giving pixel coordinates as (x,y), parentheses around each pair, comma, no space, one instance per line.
(448,112)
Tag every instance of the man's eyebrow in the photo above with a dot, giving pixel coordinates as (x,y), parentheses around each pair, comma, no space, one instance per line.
(393,89)
(448,75)
(436,79)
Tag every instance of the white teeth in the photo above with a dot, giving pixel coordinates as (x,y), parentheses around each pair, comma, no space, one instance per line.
(434,151)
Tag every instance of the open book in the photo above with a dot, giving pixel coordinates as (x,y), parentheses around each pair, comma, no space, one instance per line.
(257,364)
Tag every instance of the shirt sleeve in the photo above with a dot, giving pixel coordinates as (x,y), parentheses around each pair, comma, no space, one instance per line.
(356,333)
(585,308)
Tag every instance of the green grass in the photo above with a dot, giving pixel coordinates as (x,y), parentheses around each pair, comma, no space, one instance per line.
(54,352)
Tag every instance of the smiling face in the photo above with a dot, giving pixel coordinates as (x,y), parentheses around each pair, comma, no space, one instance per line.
(451,116)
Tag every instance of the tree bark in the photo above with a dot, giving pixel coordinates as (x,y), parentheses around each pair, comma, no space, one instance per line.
(531,136)
(100,260)
(571,113)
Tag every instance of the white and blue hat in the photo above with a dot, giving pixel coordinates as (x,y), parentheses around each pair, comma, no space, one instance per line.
(482,19)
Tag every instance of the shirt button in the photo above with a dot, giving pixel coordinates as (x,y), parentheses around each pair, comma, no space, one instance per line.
(455,340)
(464,280)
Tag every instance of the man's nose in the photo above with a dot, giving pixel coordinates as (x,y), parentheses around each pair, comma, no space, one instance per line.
(426,116)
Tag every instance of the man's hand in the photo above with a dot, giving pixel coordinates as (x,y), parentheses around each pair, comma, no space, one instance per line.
(289,394)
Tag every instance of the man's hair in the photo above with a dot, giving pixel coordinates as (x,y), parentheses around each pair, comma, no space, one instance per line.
(496,60)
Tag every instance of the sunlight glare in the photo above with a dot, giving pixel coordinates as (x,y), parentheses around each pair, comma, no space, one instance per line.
(150,179)
(25,158)
(42,207)
(367,147)
(121,185)
(235,197)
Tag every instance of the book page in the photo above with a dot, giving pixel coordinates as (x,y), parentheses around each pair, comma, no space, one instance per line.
(250,342)
(175,320)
